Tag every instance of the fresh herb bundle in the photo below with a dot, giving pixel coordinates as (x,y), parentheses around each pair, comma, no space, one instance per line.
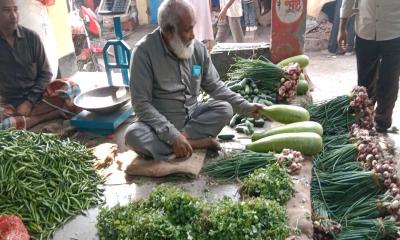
(272,182)
(180,207)
(254,219)
(172,214)
(168,213)
(135,222)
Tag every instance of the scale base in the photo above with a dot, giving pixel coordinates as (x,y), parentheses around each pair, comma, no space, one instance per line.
(101,123)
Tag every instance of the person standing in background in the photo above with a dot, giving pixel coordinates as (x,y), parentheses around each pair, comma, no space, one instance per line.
(229,18)
(203,28)
(249,12)
(377,51)
(351,34)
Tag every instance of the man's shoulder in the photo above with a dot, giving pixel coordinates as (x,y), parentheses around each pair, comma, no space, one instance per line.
(149,40)
(28,32)
(200,50)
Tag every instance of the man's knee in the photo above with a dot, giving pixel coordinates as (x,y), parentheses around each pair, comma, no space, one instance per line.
(225,110)
(135,133)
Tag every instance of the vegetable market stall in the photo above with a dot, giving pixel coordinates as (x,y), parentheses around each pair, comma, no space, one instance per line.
(213,201)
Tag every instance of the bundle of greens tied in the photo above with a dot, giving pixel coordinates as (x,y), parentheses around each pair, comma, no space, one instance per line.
(45,180)
(170,213)
(355,188)
(354,151)
(271,182)
(338,114)
(269,78)
(241,163)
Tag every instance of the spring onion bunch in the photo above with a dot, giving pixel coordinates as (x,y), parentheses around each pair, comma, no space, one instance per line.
(244,162)
(348,186)
(379,229)
(338,114)
(365,150)
(364,208)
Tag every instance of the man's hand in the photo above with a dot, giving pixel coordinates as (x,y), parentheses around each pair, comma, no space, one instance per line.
(222,15)
(342,42)
(25,108)
(181,147)
(255,107)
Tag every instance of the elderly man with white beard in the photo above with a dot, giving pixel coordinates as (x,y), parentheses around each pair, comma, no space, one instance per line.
(169,68)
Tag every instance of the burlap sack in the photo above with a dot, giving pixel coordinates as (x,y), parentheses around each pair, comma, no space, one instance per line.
(189,167)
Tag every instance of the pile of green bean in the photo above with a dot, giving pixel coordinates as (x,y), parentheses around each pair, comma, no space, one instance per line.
(45,180)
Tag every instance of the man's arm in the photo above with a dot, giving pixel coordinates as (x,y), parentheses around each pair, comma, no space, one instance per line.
(345,12)
(44,73)
(222,14)
(141,86)
(43,77)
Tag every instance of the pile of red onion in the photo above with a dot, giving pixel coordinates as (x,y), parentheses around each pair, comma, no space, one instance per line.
(288,85)
(291,159)
(325,228)
(363,107)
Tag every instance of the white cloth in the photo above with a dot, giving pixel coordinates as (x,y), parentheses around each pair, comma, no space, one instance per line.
(203,28)
(33,15)
(235,10)
(375,19)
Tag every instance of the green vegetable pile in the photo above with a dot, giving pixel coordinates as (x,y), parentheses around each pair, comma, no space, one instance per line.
(354,187)
(170,213)
(239,165)
(272,182)
(167,214)
(255,219)
(337,115)
(266,75)
(248,89)
(245,124)
(45,180)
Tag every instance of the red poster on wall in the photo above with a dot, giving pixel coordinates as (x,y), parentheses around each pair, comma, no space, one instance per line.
(288,28)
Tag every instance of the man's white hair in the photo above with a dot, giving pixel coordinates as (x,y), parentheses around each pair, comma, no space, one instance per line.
(168,14)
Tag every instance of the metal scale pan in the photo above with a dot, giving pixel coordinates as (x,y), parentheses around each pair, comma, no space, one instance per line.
(103,100)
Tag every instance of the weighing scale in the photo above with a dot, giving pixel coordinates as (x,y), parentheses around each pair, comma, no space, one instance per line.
(106,122)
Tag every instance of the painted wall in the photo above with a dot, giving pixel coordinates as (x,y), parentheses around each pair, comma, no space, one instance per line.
(147,10)
(142,8)
(34,15)
(58,16)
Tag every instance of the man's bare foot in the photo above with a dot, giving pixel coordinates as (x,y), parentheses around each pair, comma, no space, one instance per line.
(205,143)
(34,120)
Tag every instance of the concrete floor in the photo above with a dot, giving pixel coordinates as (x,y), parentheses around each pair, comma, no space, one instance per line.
(331,76)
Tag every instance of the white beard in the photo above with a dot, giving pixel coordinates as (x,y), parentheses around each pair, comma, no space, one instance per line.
(181,50)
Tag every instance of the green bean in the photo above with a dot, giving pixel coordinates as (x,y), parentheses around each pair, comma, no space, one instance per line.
(45,180)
